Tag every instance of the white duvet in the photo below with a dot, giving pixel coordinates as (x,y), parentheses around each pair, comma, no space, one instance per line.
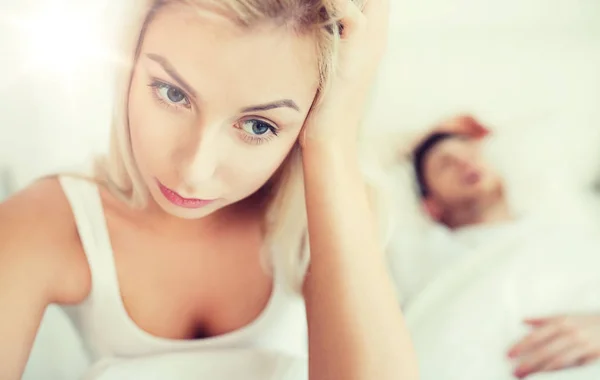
(466,318)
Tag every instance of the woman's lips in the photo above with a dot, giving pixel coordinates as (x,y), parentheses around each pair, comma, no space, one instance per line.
(180,201)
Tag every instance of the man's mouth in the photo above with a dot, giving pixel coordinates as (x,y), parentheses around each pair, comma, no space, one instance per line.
(472,177)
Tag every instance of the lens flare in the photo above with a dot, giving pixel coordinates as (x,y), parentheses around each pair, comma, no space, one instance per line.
(61,39)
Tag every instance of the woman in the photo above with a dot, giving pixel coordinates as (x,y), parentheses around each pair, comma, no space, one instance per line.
(236,137)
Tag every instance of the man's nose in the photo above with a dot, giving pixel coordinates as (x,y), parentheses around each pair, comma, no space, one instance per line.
(465,164)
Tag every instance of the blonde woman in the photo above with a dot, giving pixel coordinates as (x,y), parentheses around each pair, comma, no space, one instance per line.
(235,140)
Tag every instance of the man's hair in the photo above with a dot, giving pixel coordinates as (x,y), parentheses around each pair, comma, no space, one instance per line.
(420,154)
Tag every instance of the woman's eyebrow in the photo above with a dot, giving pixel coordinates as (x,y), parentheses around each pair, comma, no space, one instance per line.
(269,106)
(169,69)
(172,72)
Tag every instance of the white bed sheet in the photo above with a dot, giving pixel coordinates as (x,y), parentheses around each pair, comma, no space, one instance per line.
(464,321)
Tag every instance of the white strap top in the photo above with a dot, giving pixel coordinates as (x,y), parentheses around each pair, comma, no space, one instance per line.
(111,335)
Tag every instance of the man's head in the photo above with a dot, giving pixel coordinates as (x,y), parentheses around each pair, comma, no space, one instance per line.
(452,173)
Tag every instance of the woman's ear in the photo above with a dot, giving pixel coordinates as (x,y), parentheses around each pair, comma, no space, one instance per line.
(432,208)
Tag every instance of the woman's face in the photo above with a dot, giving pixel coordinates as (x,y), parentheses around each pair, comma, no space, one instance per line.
(214,109)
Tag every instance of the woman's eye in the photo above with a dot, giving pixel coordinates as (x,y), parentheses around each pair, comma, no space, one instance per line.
(257,127)
(171,94)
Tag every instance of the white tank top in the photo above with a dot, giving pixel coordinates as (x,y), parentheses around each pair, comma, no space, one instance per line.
(111,336)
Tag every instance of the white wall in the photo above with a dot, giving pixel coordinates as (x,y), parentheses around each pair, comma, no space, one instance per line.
(49,120)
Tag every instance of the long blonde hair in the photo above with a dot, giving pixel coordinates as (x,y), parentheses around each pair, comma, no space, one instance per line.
(285,217)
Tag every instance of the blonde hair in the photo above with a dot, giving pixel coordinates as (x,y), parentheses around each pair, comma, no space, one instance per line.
(285,218)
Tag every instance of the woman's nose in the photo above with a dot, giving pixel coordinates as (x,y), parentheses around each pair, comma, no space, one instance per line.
(202,157)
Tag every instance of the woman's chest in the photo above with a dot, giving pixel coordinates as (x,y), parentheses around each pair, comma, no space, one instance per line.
(191,288)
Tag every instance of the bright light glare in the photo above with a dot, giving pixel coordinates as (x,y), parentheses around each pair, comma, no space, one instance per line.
(61,39)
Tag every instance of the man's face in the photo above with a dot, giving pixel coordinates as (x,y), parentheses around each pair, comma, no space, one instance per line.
(456,173)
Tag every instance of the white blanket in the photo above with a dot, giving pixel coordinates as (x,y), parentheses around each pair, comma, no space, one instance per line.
(465,320)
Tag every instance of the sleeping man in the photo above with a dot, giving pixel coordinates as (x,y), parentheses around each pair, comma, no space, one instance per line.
(511,297)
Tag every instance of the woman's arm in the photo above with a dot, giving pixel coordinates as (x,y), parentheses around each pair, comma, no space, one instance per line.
(37,267)
(356,328)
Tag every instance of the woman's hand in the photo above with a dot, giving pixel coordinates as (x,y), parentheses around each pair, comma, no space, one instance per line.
(364,38)
(558,343)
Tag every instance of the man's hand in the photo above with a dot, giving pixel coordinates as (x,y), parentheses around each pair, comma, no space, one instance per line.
(557,343)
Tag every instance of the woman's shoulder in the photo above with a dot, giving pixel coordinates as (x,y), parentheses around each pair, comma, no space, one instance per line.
(39,236)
